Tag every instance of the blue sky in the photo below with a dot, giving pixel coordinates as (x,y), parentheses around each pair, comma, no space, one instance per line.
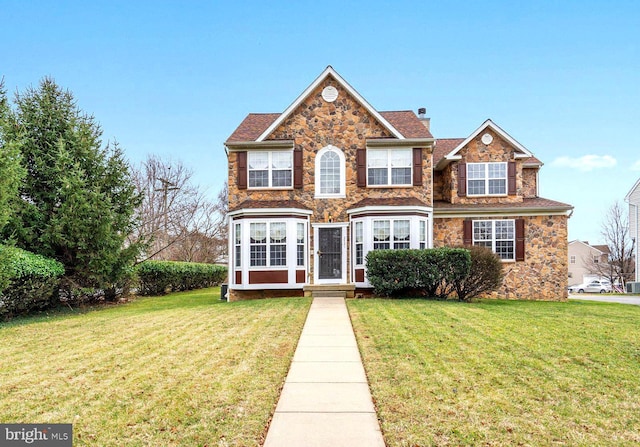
(176,78)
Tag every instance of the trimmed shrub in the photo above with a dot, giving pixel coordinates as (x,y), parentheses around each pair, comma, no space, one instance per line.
(159,277)
(485,276)
(27,281)
(429,272)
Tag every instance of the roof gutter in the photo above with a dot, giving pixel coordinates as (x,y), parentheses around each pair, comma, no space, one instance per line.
(393,142)
(478,212)
(270,144)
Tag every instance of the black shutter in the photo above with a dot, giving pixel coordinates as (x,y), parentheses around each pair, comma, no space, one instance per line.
(511,178)
(361,167)
(467,232)
(241,159)
(297,168)
(519,239)
(462,179)
(417,166)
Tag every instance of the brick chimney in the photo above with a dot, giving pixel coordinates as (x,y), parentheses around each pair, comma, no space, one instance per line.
(422,111)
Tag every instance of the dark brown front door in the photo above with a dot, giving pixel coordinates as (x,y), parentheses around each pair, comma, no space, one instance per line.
(330,253)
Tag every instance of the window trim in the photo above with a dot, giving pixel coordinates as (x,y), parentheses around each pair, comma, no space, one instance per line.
(389,168)
(270,170)
(487,179)
(318,180)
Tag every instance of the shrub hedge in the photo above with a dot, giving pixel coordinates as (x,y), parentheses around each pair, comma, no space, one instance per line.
(27,281)
(485,275)
(433,272)
(159,277)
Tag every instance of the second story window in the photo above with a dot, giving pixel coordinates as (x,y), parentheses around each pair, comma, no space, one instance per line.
(486,179)
(330,173)
(273,169)
(389,167)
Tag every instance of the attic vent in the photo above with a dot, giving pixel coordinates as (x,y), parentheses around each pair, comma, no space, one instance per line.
(330,93)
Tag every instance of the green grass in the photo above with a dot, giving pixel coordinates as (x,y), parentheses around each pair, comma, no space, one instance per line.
(500,373)
(180,370)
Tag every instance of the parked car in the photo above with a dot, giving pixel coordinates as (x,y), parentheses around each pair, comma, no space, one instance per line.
(592,287)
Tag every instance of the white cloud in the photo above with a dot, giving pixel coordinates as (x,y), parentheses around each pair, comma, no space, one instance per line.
(635,166)
(586,162)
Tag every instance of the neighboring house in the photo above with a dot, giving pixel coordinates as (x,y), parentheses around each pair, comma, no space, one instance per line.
(633,199)
(313,189)
(587,262)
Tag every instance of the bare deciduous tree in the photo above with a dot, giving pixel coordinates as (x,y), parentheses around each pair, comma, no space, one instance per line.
(620,265)
(177,220)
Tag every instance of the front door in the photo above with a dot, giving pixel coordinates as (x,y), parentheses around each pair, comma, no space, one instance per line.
(330,253)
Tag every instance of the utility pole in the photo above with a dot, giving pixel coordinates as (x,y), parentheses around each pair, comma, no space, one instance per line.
(166,187)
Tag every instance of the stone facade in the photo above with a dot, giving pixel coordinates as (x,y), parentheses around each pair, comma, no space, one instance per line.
(349,125)
(530,182)
(542,275)
(346,125)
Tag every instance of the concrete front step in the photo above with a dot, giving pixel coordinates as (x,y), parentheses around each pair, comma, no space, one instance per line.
(330,290)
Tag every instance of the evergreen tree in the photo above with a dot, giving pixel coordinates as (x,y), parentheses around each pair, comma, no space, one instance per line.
(11,171)
(78,197)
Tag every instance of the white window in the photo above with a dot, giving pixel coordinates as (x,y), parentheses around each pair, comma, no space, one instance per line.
(359,242)
(386,167)
(381,235)
(423,234)
(394,234)
(238,244)
(596,259)
(498,235)
(401,234)
(270,169)
(330,173)
(300,244)
(572,260)
(486,179)
(268,244)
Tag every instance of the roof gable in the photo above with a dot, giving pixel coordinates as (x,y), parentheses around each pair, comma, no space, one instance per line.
(633,189)
(602,249)
(329,71)
(454,155)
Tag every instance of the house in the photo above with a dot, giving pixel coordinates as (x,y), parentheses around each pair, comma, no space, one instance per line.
(587,262)
(633,199)
(313,189)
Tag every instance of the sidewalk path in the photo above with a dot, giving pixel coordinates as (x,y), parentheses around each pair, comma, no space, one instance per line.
(325,400)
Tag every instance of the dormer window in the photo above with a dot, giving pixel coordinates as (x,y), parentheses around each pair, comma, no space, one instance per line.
(486,179)
(270,169)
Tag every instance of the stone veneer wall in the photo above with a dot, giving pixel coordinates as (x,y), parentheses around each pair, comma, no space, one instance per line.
(542,275)
(529,183)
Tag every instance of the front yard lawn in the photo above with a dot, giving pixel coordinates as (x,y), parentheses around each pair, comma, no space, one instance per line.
(180,370)
(500,373)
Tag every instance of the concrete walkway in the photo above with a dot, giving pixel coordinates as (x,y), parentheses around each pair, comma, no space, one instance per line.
(325,400)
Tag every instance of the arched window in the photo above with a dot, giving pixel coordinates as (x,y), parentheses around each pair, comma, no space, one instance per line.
(330,168)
